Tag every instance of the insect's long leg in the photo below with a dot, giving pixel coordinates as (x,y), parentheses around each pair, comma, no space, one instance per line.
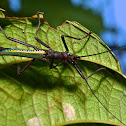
(37,31)
(95,72)
(23,43)
(18,41)
(62,37)
(21,71)
(81,74)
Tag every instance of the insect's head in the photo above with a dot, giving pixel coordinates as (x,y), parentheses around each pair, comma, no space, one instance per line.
(71,58)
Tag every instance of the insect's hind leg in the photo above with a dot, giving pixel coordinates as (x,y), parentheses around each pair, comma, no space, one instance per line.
(37,32)
(62,37)
(17,41)
(21,71)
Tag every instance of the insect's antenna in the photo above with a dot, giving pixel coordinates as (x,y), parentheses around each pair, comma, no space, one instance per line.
(93,54)
(81,74)
(104,51)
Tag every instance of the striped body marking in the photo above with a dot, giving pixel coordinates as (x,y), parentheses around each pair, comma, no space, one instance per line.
(26,51)
(37,54)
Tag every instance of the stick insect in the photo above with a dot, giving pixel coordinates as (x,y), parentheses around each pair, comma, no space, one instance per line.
(51,55)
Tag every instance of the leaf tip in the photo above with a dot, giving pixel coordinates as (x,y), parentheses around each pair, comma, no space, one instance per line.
(41,15)
(2,15)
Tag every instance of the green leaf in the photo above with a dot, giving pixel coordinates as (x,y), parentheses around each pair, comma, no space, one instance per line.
(1,13)
(59,96)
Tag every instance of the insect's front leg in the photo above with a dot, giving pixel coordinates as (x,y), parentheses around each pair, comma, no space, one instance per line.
(81,74)
(96,72)
(63,40)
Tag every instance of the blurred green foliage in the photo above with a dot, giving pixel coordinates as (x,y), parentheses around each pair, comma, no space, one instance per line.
(56,12)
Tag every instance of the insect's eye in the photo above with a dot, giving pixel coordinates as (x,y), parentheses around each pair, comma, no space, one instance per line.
(70,54)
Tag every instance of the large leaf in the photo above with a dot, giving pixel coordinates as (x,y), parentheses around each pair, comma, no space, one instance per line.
(40,96)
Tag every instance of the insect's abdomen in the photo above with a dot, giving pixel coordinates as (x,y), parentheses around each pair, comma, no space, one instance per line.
(37,54)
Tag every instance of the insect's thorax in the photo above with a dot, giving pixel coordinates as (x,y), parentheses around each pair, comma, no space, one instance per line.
(60,56)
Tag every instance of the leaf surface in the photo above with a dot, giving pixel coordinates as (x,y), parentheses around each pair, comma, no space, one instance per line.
(59,96)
